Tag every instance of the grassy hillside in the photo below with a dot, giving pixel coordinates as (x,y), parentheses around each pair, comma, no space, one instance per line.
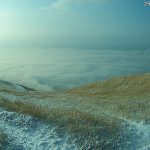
(94,113)
(128,96)
(82,127)
(133,85)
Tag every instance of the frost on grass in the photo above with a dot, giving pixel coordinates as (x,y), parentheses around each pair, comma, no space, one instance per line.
(81,129)
(112,114)
(25,132)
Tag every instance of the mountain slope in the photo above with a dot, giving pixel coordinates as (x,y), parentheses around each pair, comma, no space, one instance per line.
(133,85)
(11,86)
(112,114)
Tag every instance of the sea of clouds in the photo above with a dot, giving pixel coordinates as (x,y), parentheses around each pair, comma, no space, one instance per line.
(55,69)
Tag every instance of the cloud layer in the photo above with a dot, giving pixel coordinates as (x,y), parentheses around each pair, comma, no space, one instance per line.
(54,69)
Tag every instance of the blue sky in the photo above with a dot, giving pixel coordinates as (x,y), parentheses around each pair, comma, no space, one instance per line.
(100,24)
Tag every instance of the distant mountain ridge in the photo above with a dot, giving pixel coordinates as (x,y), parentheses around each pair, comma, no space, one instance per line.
(12,86)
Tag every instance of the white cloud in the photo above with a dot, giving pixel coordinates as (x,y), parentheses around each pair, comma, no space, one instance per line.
(67,68)
(65,4)
(8,14)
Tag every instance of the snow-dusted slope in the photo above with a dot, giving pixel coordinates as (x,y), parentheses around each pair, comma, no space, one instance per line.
(6,85)
(12,86)
(26,133)
(121,98)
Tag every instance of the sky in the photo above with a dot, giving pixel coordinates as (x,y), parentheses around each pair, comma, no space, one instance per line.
(96,24)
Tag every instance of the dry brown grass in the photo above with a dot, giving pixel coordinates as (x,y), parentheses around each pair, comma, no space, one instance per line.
(104,102)
(62,117)
(127,97)
(133,85)
(83,126)
(135,108)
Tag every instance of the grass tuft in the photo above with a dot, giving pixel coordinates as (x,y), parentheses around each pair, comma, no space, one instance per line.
(2,139)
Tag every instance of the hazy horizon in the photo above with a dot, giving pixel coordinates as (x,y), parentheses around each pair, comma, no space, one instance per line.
(83,24)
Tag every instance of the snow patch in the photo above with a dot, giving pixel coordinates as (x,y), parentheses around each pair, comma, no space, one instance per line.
(143,132)
(25,133)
